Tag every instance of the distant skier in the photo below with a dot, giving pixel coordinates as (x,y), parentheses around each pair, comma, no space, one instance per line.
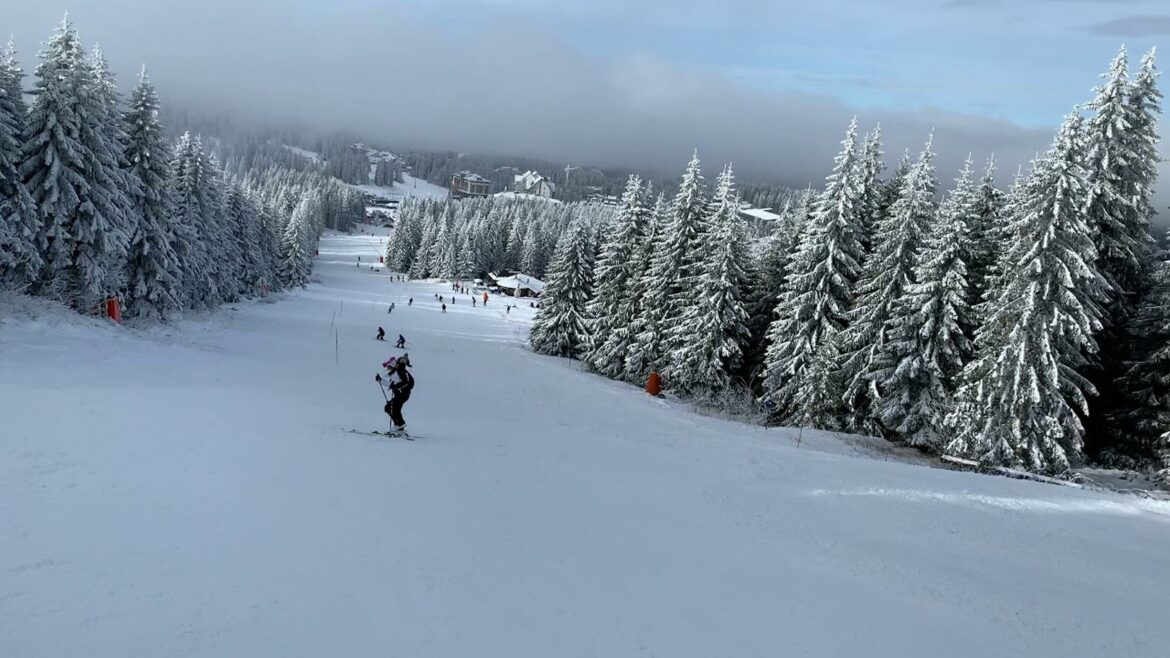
(444,308)
(391,308)
(381,334)
(401,383)
(485,298)
(401,344)
(410,302)
(472,302)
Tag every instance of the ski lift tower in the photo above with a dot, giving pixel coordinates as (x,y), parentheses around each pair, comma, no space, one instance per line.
(568,169)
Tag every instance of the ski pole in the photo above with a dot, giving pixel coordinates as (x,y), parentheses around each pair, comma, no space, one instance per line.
(379,382)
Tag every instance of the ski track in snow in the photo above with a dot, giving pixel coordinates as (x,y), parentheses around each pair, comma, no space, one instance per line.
(188,490)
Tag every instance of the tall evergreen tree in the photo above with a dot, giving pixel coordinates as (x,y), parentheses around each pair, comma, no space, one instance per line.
(530,257)
(154,273)
(611,310)
(243,217)
(670,278)
(1021,396)
(869,174)
(1121,162)
(642,355)
(560,327)
(917,368)
(104,222)
(295,256)
(769,276)
(421,268)
(985,231)
(20,258)
(1139,425)
(1121,235)
(683,255)
(192,243)
(887,273)
(220,231)
(53,163)
(798,385)
(712,347)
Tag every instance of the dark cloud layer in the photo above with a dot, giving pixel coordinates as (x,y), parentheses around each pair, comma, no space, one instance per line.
(1133,26)
(437,76)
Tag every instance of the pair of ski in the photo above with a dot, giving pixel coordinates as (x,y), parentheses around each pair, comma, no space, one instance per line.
(389,435)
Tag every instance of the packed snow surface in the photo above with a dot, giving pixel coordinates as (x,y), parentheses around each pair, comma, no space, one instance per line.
(192,490)
(410,186)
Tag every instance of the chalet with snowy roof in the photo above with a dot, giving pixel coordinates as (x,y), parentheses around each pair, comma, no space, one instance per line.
(466,184)
(533,183)
(518,285)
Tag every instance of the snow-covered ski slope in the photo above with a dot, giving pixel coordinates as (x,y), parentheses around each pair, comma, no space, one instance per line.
(410,188)
(194,491)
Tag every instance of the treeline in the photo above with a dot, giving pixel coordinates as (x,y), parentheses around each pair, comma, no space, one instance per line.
(984,326)
(95,201)
(451,239)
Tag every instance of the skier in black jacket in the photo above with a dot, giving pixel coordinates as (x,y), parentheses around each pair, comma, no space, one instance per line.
(401,383)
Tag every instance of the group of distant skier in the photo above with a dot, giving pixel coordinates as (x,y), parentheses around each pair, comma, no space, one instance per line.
(397,379)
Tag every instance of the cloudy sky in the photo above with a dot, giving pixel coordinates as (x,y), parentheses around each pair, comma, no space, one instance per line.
(768,84)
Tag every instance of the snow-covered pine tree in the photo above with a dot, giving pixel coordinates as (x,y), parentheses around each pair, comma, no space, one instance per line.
(192,246)
(441,250)
(295,256)
(927,344)
(421,268)
(447,251)
(1121,162)
(888,271)
(465,268)
(798,386)
(1140,171)
(610,312)
(869,175)
(769,276)
(20,258)
(1020,397)
(682,257)
(560,327)
(521,219)
(643,329)
(268,239)
(53,164)
(104,220)
(530,257)
(892,188)
(1122,236)
(986,235)
(712,347)
(154,273)
(402,246)
(221,232)
(243,217)
(1140,424)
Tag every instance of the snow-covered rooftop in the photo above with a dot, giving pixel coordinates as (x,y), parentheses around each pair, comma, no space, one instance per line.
(520,282)
(469,176)
(525,196)
(760,213)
